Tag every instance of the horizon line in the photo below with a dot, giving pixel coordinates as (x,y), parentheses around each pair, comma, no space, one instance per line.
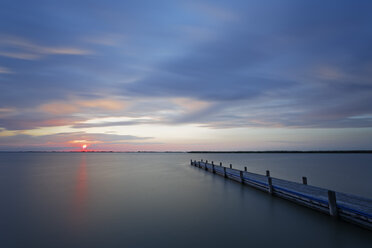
(248,151)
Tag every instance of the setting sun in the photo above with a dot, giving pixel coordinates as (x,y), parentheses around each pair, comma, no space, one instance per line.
(84,146)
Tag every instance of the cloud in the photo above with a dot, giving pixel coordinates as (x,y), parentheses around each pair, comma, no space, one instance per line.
(221,13)
(19,48)
(20,55)
(275,61)
(112,124)
(59,108)
(105,39)
(75,106)
(31,120)
(105,104)
(59,113)
(4,70)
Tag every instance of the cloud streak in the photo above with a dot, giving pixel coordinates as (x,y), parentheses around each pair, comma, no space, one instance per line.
(19,48)
(4,70)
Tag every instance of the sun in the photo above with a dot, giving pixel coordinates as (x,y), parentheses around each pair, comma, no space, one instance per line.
(84,146)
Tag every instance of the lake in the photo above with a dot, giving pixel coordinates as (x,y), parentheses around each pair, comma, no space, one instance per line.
(159,200)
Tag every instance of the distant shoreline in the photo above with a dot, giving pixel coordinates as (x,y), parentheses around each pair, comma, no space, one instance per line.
(273,151)
(321,151)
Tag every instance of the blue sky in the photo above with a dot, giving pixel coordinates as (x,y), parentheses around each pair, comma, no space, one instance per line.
(185,75)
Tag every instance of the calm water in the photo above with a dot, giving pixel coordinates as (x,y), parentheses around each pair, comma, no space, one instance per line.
(159,200)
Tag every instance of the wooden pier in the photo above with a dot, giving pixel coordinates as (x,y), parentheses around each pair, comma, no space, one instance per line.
(351,208)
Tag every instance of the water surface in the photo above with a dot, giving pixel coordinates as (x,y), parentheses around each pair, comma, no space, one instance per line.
(159,200)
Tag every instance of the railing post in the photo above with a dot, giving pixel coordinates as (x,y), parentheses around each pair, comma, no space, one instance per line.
(332,203)
(267,173)
(245,168)
(304,180)
(241,177)
(230,166)
(220,163)
(224,172)
(270,185)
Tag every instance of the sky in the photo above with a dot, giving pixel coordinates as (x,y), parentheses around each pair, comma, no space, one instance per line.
(185,75)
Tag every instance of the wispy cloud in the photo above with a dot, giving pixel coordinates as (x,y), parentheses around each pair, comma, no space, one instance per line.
(20,55)
(105,39)
(4,70)
(213,10)
(115,121)
(76,106)
(20,48)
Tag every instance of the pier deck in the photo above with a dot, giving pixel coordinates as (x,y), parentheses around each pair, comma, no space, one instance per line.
(351,208)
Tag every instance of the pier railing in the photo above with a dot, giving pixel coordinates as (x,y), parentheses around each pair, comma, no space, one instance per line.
(351,208)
